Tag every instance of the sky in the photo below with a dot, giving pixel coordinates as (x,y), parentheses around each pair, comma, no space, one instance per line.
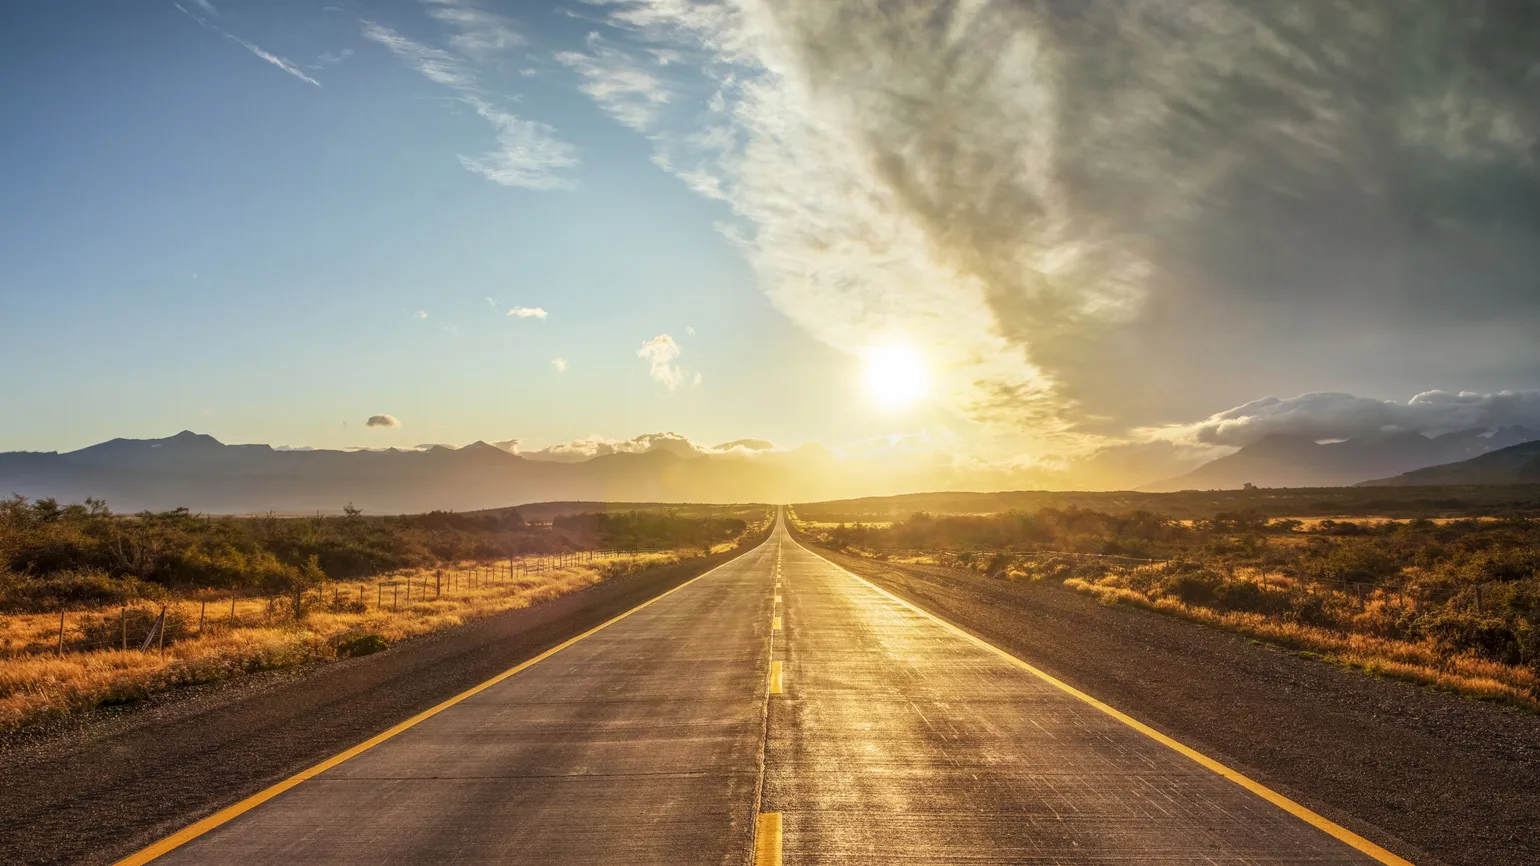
(1027,234)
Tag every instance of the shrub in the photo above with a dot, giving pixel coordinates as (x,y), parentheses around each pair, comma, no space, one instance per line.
(350,646)
(70,590)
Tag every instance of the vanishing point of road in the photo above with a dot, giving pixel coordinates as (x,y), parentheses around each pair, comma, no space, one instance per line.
(776,709)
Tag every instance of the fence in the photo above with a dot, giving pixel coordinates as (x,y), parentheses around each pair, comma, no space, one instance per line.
(148,627)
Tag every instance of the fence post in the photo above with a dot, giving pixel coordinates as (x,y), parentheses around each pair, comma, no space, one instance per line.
(201,611)
(163,623)
(232,613)
(123,623)
(395,598)
(438,582)
(379,596)
(61,634)
(1478,603)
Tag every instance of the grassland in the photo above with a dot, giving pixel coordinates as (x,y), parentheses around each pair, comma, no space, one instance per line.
(1450,603)
(98,608)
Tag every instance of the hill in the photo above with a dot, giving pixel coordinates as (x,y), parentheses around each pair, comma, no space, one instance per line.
(1519,464)
(1293,461)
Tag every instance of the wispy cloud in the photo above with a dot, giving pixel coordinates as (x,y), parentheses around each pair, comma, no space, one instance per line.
(434,64)
(529,154)
(281,63)
(619,82)
(560,364)
(660,353)
(382,421)
(527,313)
(480,32)
(331,58)
(274,59)
(421,314)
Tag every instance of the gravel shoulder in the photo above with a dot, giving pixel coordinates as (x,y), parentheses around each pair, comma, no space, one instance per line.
(99,787)
(1431,776)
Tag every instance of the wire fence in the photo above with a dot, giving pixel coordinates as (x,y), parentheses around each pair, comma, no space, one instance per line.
(149,626)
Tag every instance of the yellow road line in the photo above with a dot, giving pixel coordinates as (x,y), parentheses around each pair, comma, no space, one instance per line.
(1331,828)
(193,831)
(767,840)
(775,678)
(776,624)
(777,598)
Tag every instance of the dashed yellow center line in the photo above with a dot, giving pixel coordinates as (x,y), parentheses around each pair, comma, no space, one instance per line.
(777,598)
(775,624)
(775,678)
(767,840)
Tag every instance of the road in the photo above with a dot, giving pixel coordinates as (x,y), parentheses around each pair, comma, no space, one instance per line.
(776,709)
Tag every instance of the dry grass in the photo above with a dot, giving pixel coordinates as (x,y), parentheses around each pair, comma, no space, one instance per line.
(35,684)
(1414,662)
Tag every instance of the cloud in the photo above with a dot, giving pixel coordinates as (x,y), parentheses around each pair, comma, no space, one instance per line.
(274,59)
(660,353)
(421,314)
(332,58)
(382,421)
(529,154)
(618,81)
(509,445)
(560,364)
(527,312)
(1331,415)
(590,447)
(255,49)
(480,32)
(1099,216)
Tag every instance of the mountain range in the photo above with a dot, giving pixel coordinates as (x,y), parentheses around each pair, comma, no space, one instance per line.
(1518,464)
(1294,461)
(199,472)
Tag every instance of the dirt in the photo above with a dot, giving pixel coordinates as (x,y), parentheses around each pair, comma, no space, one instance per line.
(97,787)
(1418,771)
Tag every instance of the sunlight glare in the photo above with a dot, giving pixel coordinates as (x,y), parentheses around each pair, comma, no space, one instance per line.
(895,375)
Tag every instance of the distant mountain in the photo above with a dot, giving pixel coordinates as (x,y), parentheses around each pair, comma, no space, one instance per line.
(1518,464)
(200,472)
(1291,461)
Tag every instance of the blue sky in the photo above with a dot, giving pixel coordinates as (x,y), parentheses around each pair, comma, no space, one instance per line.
(196,237)
(1079,223)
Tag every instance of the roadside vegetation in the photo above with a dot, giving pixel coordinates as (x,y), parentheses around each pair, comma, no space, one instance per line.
(98,608)
(1453,603)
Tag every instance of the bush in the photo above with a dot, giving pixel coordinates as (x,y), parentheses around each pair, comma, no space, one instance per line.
(1457,632)
(70,590)
(351,646)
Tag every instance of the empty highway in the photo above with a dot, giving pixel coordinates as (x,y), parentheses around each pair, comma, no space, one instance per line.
(776,709)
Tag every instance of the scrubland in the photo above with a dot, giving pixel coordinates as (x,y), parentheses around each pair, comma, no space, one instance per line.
(98,609)
(1452,603)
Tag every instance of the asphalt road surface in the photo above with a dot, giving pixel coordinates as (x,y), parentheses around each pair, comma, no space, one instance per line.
(776,709)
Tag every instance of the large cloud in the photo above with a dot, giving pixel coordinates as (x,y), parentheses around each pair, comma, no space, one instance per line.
(1102,215)
(1326,415)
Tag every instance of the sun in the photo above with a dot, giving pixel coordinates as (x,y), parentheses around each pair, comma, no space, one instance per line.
(895,375)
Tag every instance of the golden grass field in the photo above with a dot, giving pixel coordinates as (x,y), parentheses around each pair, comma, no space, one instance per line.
(36,683)
(1420,663)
